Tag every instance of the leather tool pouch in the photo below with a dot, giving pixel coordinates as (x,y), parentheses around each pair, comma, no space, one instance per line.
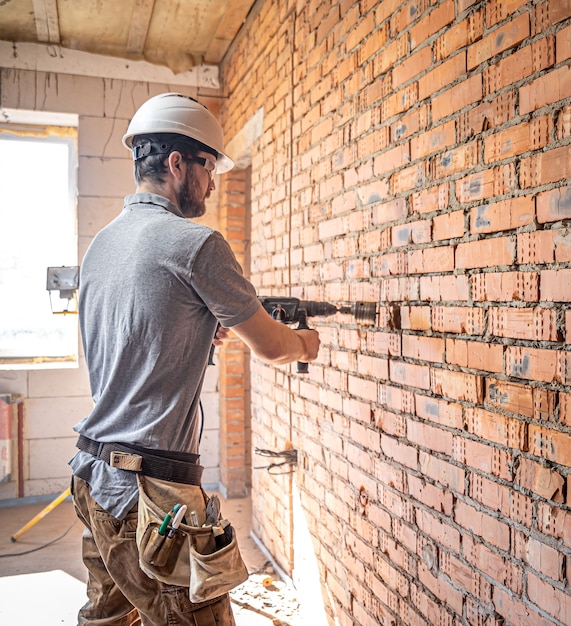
(188,558)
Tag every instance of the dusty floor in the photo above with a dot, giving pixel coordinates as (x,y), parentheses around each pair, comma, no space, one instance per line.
(42,577)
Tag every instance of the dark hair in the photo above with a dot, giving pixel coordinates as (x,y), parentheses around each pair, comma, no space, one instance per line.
(151,151)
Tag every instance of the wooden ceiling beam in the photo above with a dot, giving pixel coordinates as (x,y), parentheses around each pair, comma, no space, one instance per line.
(140,20)
(230,24)
(47,22)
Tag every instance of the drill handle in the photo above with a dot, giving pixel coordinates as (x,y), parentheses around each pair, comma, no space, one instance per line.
(302,368)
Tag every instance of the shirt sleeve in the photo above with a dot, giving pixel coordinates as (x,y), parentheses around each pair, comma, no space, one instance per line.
(218,279)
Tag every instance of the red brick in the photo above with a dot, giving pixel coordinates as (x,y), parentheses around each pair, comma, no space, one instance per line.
(359,32)
(475,355)
(415,318)
(434,140)
(432,199)
(555,285)
(533,364)
(430,437)
(396,398)
(444,288)
(448,226)
(486,253)
(385,9)
(556,602)
(447,594)
(565,404)
(409,374)
(491,182)
(541,480)
(490,493)
(389,211)
(428,260)
(410,123)
(369,96)
(511,397)
(515,611)
(457,98)
(519,65)
(484,457)
(442,472)
(390,160)
(555,522)
(399,102)
(423,348)
(505,215)
(547,13)
(432,496)
(550,444)
(536,247)
(563,44)
(564,123)
(388,56)
(456,160)
(456,385)
(441,75)
(488,114)
(498,40)
(414,65)
(488,528)
(384,343)
(439,411)
(399,452)
(372,44)
(460,35)
(408,13)
(554,205)
(547,89)
(465,320)
(412,232)
(390,423)
(409,178)
(389,264)
(506,431)
(506,286)
(428,26)
(530,324)
(499,10)
(393,290)
(533,135)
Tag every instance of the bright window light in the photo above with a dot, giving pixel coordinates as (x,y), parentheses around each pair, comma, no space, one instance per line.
(38,229)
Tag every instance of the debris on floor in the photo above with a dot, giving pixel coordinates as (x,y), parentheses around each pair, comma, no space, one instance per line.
(264,592)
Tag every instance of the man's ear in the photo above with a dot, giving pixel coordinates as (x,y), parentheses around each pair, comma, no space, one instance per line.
(174,162)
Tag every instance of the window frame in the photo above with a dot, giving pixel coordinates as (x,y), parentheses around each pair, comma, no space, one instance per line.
(54,128)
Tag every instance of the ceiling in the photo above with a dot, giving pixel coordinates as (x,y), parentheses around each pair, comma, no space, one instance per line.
(178,34)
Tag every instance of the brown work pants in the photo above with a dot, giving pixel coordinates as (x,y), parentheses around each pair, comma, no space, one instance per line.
(118,592)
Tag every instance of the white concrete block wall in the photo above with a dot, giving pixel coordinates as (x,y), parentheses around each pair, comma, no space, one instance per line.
(56,399)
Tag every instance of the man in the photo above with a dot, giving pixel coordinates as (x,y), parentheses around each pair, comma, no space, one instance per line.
(154,288)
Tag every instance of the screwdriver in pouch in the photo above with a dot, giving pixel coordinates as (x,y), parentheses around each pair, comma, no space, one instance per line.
(176,521)
(167,520)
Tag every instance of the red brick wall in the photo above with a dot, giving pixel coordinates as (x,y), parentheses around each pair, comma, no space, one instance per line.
(235,432)
(417,154)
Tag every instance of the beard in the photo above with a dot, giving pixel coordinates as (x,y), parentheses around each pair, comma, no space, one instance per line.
(191,200)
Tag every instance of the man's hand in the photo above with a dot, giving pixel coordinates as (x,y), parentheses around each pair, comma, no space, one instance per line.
(276,343)
(311,342)
(221,334)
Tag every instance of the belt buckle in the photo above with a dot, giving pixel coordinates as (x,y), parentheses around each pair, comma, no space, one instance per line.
(126,461)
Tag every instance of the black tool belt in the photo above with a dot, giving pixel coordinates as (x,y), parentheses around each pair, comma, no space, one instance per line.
(176,467)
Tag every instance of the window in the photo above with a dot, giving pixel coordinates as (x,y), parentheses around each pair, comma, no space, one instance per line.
(38,229)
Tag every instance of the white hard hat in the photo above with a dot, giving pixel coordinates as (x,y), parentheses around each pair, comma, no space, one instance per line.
(182,115)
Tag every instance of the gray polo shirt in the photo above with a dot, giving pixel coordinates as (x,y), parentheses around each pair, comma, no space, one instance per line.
(153,287)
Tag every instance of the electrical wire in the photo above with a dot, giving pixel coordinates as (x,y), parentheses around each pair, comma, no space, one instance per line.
(45,545)
(290,457)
